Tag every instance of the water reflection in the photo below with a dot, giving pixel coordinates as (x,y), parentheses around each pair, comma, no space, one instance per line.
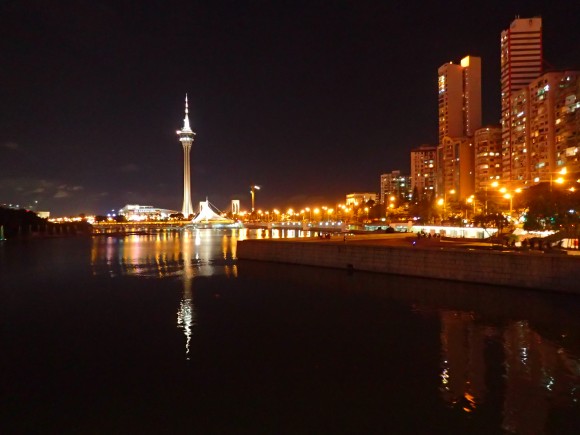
(184,254)
(539,375)
(515,352)
(508,353)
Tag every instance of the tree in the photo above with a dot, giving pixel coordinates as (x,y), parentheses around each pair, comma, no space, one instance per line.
(425,209)
(491,220)
(551,208)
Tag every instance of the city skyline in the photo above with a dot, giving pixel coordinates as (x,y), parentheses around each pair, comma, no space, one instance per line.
(310,102)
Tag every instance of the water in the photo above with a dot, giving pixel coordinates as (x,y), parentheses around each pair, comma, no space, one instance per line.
(170,334)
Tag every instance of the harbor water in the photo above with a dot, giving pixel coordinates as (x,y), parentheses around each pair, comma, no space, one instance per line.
(170,333)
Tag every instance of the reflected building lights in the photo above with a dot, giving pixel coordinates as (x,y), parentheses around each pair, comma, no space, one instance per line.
(187,254)
(534,367)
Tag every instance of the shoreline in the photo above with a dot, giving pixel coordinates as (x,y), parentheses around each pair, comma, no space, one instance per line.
(397,254)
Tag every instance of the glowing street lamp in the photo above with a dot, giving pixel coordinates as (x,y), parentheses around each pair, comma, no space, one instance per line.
(471,200)
(510,197)
(252,191)
(558,180)
(443,201)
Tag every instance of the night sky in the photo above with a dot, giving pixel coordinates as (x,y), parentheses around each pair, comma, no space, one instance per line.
(309,99)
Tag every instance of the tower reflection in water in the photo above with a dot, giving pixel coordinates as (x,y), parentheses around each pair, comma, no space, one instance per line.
(186,254)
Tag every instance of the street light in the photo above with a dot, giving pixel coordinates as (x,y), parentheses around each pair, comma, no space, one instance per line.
(443,201)
(471,200)
(510,197)
(559,180)
(252,189)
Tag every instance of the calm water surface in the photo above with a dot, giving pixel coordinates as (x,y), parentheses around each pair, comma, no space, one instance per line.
(171,334)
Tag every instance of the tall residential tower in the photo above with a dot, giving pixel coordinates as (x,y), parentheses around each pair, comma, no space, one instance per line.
(521,63)
(459,94)
(186,137)
(459,98)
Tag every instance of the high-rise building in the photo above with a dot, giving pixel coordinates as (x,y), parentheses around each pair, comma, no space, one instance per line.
(459,98)
(423,171)
(186,137)
(455,167)
(395,185)
(459,89)
(567,146)
(521,62)
(544,127)
(487,143)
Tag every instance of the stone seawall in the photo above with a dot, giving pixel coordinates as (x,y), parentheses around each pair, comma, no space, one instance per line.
(555,272)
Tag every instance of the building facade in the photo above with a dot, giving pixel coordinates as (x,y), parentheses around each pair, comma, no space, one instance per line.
(567,140)
(355,200)
(544,124)
(395,185)
(521,63)
(459,98)
(136,212)
(455,167)
(459,105)
(487,143)
(423,171)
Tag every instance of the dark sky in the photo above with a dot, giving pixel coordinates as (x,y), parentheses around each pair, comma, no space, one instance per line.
(309,99)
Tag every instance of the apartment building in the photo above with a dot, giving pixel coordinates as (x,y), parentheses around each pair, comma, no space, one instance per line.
(487,143)
(521,63)
(424,171)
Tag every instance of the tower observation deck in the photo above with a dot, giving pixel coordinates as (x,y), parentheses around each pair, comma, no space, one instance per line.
(186,137)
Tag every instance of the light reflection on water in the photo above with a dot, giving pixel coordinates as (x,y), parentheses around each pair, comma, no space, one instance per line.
(163,254)
(186,254)
(537,374)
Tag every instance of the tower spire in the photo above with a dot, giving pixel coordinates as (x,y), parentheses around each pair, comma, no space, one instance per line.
(186,128)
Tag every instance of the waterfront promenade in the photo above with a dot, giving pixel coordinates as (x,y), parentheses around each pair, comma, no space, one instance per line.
(404,254)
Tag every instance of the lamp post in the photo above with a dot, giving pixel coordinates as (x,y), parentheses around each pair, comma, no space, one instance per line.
(471,200)
(252,192)
(494,185)
(510,197)
(443,201)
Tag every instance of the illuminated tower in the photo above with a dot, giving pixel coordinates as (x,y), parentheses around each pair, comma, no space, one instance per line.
(459,116)
(459,98)
(186,136)
(521,63)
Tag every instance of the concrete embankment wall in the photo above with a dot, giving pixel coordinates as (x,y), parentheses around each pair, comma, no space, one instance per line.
(527,270)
